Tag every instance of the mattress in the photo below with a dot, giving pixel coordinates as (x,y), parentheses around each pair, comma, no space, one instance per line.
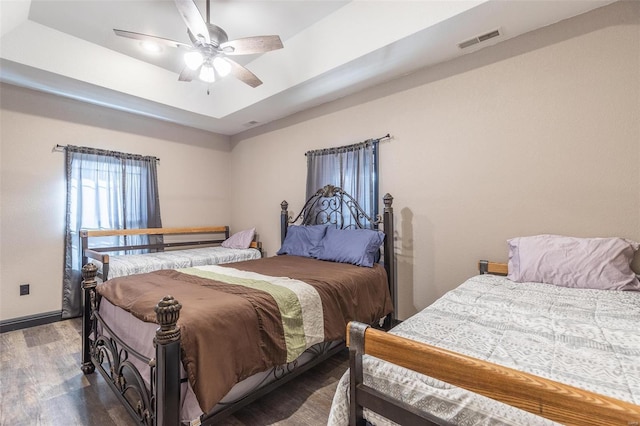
(123,265)
(585,338)
(140,334)
(228,330)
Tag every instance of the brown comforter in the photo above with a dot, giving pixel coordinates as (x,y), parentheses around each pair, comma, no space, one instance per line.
(230,332)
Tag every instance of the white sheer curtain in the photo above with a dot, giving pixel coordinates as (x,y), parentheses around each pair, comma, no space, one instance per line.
(105,190)
(354,168)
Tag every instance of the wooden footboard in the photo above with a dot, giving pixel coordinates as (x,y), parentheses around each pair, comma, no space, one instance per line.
(553,400)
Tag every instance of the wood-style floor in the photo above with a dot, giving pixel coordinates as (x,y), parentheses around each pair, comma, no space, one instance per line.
(41,384)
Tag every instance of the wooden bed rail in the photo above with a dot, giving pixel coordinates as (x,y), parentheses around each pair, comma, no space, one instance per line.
(494,268)
(85,234)
(553,400)
(153,231)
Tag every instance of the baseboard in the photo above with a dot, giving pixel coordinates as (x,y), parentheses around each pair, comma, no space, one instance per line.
(30,321)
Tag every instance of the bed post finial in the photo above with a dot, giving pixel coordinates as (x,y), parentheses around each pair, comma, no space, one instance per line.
(284,206)
(167,362)
(89,273)
(167,313)
(388,200)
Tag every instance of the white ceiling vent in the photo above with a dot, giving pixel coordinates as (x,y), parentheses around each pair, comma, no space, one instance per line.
(479,39)
(250,123)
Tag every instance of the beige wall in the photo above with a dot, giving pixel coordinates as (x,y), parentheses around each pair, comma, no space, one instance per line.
(539,134)
(192,174)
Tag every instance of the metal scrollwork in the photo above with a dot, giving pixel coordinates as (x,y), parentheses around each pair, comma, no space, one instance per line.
(282,370)
(279,372)
(112,359)
(331,205)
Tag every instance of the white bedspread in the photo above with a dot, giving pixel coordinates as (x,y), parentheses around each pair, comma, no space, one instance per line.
(586,338)
(130,264)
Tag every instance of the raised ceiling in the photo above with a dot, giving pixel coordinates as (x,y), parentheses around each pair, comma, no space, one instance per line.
(331,49)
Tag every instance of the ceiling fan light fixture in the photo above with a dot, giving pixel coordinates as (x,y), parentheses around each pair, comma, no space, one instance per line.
(206,55)
(193,60)
(222,66)
(207,73)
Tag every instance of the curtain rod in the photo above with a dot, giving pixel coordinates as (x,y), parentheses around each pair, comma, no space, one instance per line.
(62,148)
(324,151)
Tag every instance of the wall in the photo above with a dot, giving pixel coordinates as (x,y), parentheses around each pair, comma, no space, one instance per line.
(192,178)
(538,134)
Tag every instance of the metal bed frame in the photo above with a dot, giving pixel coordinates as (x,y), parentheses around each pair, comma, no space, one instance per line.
(159,403)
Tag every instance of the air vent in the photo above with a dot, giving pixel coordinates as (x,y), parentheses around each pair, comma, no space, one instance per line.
(479,39)
(250,123)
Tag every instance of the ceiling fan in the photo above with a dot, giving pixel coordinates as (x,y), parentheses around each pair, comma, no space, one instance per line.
(207,56)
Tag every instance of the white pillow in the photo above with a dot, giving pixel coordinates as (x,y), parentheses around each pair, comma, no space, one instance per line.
(240,240)
(598,263)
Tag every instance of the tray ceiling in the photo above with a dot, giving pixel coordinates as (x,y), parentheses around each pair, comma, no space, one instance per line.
(331,49)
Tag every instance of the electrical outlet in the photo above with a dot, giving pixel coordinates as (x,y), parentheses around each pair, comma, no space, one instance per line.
(24,289)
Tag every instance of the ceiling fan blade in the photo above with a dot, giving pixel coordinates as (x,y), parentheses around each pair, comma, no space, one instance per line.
(150,38)
(243,74)
(188,74)
(250,45)
(192,17)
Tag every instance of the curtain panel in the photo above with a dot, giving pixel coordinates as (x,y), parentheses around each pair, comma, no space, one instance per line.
(354,168)
(105,190)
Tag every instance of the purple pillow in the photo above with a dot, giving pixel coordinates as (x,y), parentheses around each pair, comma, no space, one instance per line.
(240,240)
(301,240)
(357,246)
(597,263)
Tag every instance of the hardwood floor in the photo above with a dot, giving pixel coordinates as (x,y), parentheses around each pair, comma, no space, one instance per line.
(41,384)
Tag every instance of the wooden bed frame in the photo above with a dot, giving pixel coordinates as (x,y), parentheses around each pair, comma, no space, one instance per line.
(550,399)
(159,405)
(214,235)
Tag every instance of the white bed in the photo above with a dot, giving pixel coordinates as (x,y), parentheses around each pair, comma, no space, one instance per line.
(582,337)
(122,265)
(170,248)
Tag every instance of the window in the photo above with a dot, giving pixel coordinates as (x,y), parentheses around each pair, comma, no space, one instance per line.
(353,168)
(105,190)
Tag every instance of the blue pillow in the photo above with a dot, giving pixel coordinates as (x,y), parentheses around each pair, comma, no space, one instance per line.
(357,246)
(301,240)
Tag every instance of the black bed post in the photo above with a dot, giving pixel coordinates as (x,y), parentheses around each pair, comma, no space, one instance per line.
(356,349)
(284,220)
(167,362)
(389,258)
(89,283)
(84,244)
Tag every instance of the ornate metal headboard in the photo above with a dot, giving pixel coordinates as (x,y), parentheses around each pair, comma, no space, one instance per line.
(332,205)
